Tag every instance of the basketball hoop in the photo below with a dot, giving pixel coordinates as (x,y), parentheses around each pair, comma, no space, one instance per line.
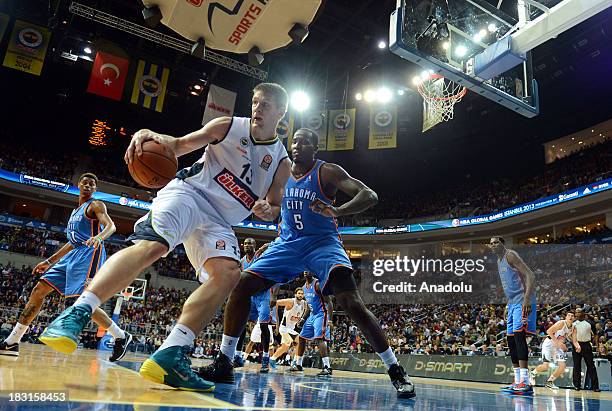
(439,98)
(127,293)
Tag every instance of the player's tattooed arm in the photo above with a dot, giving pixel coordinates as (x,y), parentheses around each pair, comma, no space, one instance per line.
(269,209)
(516,261)
(97,210)
(334,178)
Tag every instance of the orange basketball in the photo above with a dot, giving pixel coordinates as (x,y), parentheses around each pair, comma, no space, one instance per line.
(155,167)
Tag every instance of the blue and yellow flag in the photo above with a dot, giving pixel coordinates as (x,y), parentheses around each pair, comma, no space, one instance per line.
(28,47)
(150,85)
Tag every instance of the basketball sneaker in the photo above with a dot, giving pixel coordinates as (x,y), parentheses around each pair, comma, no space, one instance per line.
(401,382)
(509,388)
(551,385)
(63,333)
(221,370)
(522,389)
(295,368)
(273,363)
(9,349)
(121,346)
(265,365)
(325,372)
(172,366)
(238,361)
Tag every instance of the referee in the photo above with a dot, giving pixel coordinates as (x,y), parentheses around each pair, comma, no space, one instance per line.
(581,338)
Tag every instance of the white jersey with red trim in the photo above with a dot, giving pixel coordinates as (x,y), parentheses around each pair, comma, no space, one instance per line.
(294,315)
(235,172)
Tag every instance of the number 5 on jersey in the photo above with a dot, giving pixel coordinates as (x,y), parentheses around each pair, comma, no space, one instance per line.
(298,221)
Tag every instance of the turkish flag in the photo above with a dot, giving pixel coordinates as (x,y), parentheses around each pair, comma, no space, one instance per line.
(108,75)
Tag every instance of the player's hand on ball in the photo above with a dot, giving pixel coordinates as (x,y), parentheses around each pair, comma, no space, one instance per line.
(326,210)
(41,267)
(135,147)
(263,210)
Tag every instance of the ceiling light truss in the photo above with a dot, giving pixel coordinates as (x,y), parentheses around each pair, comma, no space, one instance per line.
(163,39)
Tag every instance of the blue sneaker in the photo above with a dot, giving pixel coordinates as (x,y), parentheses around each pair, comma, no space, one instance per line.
(522,389)
(509,388)
(172,366)
(63,333)
(273,363)
(265,365)
(238,361)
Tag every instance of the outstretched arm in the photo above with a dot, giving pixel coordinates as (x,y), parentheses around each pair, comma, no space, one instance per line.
(214,131)
(43,266)
(335,177)
(516,261)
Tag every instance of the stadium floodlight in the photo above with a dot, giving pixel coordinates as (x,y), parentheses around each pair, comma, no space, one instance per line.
(369,96)
(492,28)
(416,80)
(300,101)
(358,96)
(87,50)
(382,44)
(400,92)
(460,51)
(384,95)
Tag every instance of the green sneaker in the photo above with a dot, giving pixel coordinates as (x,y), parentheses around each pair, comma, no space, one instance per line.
(63,333)
(172,366)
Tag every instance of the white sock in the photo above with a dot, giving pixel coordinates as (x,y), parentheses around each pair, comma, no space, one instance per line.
(115,331)
(90,299)
(228,345)
(326,362)
(266,355)
(517,375)
(525,375)
(388,357)
(298,360)
(180,335)
(18,331)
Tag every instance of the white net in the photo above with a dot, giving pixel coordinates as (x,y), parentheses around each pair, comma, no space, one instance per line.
(439,98)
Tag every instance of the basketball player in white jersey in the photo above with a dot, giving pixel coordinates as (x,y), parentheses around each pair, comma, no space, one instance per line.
(554,351)
(243,170)
(295,309)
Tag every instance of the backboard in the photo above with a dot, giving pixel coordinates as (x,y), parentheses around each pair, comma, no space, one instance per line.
(478,46)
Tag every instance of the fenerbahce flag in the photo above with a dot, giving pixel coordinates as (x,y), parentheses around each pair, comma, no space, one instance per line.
(341,130)
(150,85)
(383,128)
(284,130)
(108,76)
(27,48)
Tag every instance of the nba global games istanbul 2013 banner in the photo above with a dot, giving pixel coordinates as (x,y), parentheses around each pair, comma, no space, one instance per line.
(150,85)
(383,128)
(341,130)
(317,121)
(27,48)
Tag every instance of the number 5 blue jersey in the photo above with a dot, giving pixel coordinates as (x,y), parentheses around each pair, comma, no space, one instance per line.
(80,227)
(297,220)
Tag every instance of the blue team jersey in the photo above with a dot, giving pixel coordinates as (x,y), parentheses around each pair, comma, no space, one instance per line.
(246,263)
(313,298)
(512,281)
(80,227)
(297,220)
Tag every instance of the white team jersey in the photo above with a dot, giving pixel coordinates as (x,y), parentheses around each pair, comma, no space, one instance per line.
(565,331)
(235,172)
(294,315)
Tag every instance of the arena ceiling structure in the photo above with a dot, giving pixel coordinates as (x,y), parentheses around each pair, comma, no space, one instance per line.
(339,58)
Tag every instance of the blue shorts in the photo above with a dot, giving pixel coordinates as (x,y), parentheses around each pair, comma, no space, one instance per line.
(70,275)
(284,260)
(517,322)
(253,314)
(262,305)
(316,327)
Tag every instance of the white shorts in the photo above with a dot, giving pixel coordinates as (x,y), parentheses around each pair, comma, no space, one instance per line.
(256,334)
(552,354)
(179,214)
(287,338)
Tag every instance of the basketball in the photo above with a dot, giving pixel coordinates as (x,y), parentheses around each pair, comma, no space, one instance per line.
(155,167)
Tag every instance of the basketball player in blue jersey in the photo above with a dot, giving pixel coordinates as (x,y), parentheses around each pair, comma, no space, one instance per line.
(242,171)
(309,241)
(72,266)
(518,282)
(317,325)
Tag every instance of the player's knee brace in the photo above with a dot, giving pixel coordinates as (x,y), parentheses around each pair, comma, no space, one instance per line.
(512,348)
(521,345)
